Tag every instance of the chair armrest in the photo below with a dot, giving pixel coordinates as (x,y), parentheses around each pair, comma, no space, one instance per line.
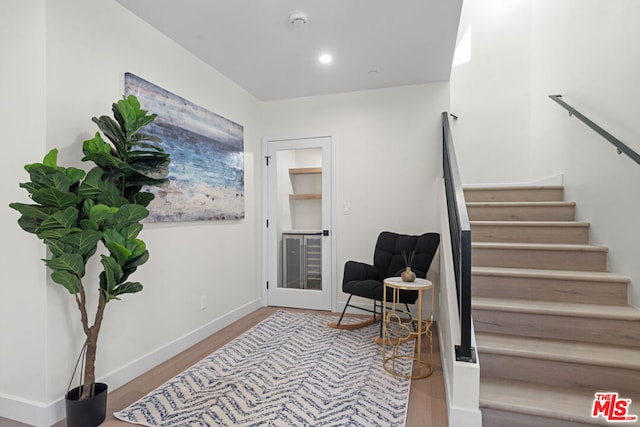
(354,270)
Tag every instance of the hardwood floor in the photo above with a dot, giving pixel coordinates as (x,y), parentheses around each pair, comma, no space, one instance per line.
(427,403)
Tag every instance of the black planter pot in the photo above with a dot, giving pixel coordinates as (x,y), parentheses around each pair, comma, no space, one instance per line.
(89,412)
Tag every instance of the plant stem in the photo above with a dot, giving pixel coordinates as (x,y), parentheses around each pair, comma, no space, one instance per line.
(92,347)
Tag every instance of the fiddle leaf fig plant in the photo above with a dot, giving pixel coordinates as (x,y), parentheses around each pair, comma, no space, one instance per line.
(74,212)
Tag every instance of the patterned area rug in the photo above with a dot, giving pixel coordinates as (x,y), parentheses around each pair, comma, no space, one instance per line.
(289,370)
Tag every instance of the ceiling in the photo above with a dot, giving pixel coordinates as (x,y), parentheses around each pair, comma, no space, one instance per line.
(374,43)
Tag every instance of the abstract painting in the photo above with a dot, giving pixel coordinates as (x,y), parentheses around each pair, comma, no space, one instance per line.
(206,175)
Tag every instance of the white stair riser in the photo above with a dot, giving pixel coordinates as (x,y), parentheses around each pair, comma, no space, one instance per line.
(540,259)
(539,375)
(522,213)
(577,235)
(550,194)
(569,328)
(558,373)
(552,289)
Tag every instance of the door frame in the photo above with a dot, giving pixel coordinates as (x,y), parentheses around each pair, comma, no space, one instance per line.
(266,257)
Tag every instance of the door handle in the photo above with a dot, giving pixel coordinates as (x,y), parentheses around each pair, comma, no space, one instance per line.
(325,232)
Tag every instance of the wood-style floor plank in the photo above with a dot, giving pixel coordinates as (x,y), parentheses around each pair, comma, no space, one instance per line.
(427,404)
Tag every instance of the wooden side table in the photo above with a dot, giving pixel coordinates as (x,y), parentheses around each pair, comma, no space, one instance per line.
(400,326)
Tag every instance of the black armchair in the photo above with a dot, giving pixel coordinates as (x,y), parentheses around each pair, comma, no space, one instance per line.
(366,280)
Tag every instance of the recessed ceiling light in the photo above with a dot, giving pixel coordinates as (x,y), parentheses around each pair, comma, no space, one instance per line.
(325,58)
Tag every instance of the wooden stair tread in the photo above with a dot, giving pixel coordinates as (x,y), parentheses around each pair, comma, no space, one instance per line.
(539,246)
(512,187)
(612,356)
(557,308)
(547,204)
(595,276)
(559,328)
(568,404)
(531,223)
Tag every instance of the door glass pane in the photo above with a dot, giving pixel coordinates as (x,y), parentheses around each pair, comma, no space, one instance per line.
(299,218)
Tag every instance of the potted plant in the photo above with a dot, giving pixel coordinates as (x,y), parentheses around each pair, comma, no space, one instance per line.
(75,211)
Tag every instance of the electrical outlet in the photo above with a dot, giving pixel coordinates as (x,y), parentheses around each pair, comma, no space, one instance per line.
(203,302)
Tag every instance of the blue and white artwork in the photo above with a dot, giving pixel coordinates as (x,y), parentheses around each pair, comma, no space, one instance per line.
(206,175)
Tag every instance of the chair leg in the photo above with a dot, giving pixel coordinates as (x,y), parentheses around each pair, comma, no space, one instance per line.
(344,310)
(350,325)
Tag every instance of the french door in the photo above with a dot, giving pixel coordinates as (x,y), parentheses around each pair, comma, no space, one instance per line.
(298,207)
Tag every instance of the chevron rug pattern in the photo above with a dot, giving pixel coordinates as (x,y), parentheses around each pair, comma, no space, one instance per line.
(289,370)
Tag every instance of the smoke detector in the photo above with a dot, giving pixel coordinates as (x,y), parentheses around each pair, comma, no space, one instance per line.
(297,19)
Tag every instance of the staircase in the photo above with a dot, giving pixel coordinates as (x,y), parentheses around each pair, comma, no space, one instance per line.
(552,325)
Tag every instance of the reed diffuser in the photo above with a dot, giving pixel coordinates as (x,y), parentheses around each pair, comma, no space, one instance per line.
(408,275)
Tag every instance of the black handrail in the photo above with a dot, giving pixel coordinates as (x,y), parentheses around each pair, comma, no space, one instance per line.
(460,231)
(621,146)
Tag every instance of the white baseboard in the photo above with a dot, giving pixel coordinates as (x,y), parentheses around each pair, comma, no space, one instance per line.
(25,411)
(464,417)
(45,415)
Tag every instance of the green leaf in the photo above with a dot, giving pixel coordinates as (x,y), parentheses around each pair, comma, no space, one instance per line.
(67,218)
(87,224)
(72,263)
(34,212)
(128,288)
(43,176)
(83,242)
(74,174)
(115,134)
(139,137)
(87,206)
(31,187)
(119,251)
(56,246)
(53,233)
(113,235)
(110,276)
(116,243)
(112,198)
(130,214)
(29,224)
(129,116)
(102,213)
(96,145)
(66,279)
(94,186)
(137,248)
(51,158)
(131,231)
(134,263)
(55,198)
(143,198)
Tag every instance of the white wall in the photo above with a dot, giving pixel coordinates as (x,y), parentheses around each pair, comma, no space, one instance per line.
(23,309)
(490,93)
(521,52)
(587,50)
(67,64)
(387,148)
